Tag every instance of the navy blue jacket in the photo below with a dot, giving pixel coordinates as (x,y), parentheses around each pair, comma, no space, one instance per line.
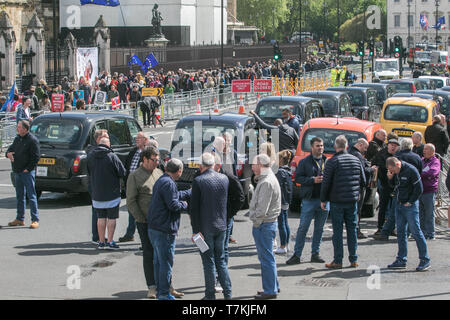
(294,123)
(105,170)
(342,179)
(409,184)
(236,195)
(284,176)
(164,212)
(307,169)
(411,158)
(209,202)
(21,115)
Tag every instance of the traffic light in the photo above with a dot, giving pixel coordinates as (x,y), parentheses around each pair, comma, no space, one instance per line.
(361,48)
(277,54)
(371,48)
(397,46)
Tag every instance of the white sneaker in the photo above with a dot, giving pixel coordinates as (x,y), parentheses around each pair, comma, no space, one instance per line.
(151,294)
(280,251)
(218,288)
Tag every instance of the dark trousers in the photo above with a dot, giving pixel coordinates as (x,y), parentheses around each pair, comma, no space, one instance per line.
(145,114)
(131,229)
(362,194)
(94,226)
(384,202)
(147,252)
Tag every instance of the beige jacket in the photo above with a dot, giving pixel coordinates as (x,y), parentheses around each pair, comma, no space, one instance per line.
(139,192)
(265,205)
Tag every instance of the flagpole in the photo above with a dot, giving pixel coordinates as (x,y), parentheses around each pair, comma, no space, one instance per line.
(436,25)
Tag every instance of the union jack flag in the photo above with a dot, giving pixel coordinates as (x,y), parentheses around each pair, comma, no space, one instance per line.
(424,22)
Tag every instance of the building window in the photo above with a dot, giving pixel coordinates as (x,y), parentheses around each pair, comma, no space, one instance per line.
(410,21)
(397,20)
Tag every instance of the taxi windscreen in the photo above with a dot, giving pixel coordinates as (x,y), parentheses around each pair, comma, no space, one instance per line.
(58,131)
(274,109)
(329,136)
(406,113)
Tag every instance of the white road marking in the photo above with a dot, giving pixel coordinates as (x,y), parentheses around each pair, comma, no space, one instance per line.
(6,185)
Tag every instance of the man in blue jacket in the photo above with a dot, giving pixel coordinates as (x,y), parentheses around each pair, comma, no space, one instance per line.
(309,175)
(209,218)
(105,173)
(409,186)
(291,120)
(342,180)
(163,219)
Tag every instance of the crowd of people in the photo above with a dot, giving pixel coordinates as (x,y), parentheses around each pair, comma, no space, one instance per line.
(406,174)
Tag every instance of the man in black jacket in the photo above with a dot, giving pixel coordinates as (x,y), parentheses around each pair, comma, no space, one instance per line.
(417,142)
(384,189)
(376,145)
(343,178)
(131,164)
(287,137)
(24,154)
(410,188)
(209,218)
(309,175)
(105,170)
(406,154)
(358,150)
(437,135)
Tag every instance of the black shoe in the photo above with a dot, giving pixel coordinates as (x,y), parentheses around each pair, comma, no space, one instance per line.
(361,235)
(316,258)
(293,260)
(262,292)
(265,296)
(377,233)
(393,233)
(381,237)
(126,239)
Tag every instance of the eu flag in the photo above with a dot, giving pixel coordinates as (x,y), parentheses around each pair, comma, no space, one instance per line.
(108,3)
(8,104)
(150,61)
(135,60)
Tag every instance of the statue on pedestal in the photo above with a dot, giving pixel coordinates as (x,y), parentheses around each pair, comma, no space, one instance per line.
(156,22)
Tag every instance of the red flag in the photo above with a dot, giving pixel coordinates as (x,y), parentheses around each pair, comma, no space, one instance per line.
(115,102)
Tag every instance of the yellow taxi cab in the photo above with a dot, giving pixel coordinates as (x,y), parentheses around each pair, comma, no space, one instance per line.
(406,115)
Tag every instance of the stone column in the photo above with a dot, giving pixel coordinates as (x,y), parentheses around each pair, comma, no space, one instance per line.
(102,39)
(71,45)
(35,41)
(8,48)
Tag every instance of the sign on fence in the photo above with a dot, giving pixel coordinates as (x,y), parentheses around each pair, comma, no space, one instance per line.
(57,102)
(241,86)
(261,85)
(152,92)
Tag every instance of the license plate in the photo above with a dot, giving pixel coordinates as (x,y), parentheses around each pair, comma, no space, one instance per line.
(193,165)
(404,133)
(47,161)
(41,171)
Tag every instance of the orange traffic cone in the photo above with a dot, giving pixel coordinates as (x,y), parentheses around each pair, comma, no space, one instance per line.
(241,106)
(257,98)
(216,107)
(198,109)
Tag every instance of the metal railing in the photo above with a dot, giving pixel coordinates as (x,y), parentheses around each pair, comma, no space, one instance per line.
(442,195)
(7,131)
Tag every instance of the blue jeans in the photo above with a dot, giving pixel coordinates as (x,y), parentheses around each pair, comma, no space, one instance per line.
(389,225)
(283,227)
(25,187)
(340,213)
(426,213)
(131,229)
(214,259)
(310,209)
(163,251)
(264,236)
(408,217)
(227,238)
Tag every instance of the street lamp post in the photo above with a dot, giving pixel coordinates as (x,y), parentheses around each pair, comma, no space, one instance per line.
(338,27)
(300,34)
(437,8)
(221,39)
(55,44)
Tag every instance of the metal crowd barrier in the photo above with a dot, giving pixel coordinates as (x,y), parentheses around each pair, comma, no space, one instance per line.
(442,196)
(7,131)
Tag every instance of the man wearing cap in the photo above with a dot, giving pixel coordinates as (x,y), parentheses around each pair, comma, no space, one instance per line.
(384,189)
